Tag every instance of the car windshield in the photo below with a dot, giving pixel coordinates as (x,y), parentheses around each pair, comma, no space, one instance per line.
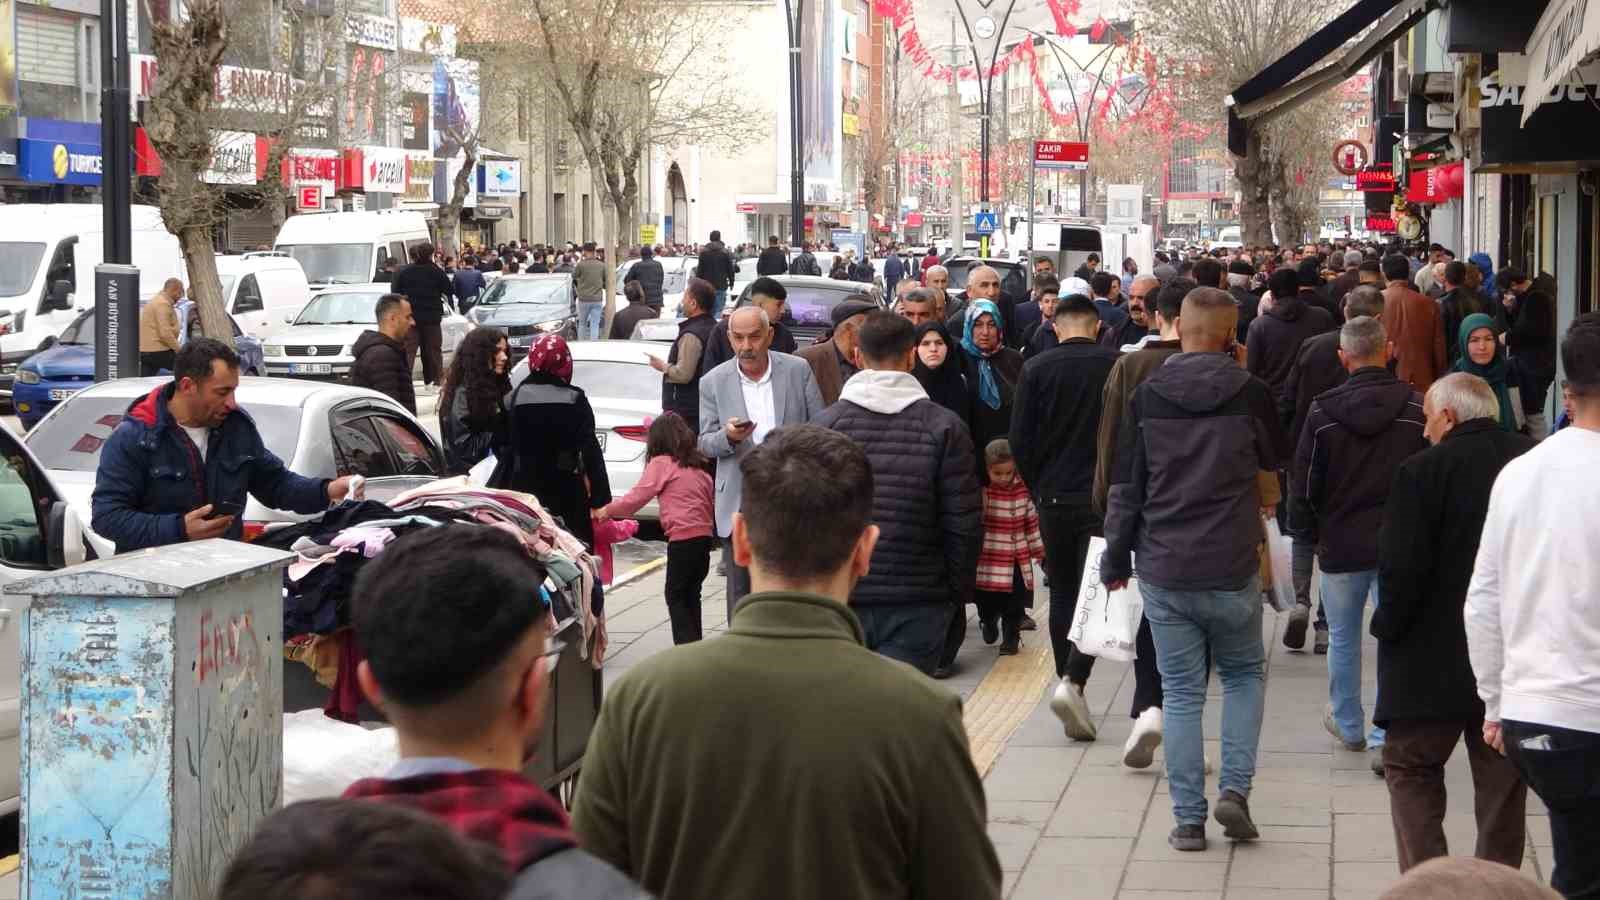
(18,262)
(341,308)
(333,263)
(616,380)
(81,331)
(551,292)
(812,305)
(71,437)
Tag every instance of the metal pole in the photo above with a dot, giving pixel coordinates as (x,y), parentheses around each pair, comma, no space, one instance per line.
(1083,192)
(797,207)
(1033,171)
(115,148)
(958,230)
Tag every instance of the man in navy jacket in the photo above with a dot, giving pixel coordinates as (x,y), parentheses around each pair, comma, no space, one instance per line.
(182,462)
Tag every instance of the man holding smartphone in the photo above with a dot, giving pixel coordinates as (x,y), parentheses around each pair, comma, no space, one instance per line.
(184,459)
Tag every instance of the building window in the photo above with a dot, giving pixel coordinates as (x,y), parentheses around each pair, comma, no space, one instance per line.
(49,65)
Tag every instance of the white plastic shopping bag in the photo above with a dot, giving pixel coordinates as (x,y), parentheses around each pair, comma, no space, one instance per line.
(1281,591)
(1105,623)
(479,474)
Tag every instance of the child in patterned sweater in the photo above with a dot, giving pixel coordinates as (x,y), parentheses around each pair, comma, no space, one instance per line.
(1011,542)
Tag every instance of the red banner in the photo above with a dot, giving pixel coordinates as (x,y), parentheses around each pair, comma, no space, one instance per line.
(1435,185)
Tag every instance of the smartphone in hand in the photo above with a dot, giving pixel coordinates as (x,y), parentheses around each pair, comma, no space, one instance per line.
(226,508)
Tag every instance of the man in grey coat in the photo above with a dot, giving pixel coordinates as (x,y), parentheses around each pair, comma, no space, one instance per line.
(741,401)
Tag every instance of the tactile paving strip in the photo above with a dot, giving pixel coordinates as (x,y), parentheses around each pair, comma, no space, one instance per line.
(1008,694)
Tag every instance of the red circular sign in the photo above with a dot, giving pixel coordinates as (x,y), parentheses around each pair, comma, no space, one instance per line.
(1349,157)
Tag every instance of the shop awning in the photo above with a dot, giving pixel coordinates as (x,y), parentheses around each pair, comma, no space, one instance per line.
(1567,34)
(1329,56)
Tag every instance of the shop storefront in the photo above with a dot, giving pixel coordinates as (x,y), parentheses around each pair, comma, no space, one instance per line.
(56,161)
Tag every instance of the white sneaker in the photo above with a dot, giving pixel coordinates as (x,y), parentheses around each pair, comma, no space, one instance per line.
(1140,749)
(1072,709)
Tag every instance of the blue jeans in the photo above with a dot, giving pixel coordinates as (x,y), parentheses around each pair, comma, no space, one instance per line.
(1185,625)
(913,633)
(1344,596)
(590,314)
(718,304)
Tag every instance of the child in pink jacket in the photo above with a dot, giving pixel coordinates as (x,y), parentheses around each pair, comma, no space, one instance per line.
(677,473)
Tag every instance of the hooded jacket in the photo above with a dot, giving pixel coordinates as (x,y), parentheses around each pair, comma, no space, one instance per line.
(1355,437)
(772,262)
(1055,419)
(150,475)
(1184,494)
(1275,338)
(622,324)
(382,365)
(648,272)
(925,498)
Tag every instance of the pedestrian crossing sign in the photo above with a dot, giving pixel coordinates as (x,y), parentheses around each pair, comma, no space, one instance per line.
(985,222)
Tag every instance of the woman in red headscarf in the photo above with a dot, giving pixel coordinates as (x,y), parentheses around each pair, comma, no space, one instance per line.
(554,454)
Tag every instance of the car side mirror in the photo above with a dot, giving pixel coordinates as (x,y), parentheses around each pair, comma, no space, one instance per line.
(288,320)
(66,545)
(48,342)
(60,296)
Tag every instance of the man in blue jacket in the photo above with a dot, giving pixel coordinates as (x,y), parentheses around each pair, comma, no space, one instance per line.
(183,460)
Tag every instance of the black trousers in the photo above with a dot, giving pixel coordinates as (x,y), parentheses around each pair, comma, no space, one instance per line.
(688,561)
(1562,766)
(427,338)
(1146,677)
(1004,606)
(1066,525)
(153,363)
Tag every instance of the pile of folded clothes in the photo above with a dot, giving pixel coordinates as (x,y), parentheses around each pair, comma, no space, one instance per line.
(333,548)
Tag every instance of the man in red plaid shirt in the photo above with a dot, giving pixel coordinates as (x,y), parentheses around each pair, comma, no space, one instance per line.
(453,625)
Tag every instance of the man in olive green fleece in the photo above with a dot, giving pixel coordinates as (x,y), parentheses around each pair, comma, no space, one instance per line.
(785,760)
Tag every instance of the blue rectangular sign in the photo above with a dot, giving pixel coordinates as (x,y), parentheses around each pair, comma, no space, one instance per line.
(58,162)
(985,222)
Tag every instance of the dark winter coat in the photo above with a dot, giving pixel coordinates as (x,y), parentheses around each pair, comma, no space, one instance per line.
(988,424)
(716,265)
(553,450)
(651,276)
(426,286)
(466,284)
(719,349)
(1115,337)
(1184,494)
(1454,306)
(925,500)
(772,262)
(894,269)
(1275,338)
(1056,420)
(1531,338)
(1355,437)
(1426,550)
(468,439)
(1316,369)
(1249,305)
(805,264)
(383,366)
(623,322)
(151,475)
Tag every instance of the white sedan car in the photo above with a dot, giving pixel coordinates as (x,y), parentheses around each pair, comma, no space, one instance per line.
(318,429)
(317,342)
(624,392)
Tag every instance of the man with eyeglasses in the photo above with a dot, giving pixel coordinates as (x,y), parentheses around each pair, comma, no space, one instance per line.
(452,621)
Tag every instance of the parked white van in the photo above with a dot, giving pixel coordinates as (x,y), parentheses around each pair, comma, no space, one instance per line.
(263,290)
(350,247)
(48,252)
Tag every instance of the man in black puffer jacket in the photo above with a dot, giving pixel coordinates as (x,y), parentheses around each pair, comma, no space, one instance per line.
(1275,336)
(648,272)
(926,503)
(382,363)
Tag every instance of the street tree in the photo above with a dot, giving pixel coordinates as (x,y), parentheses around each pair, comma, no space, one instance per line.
(197,125)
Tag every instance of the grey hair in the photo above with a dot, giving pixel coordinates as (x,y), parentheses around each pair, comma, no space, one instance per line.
(1362,338)
(920,295)
(1352,258)
(752,308)
(933,269)
(1466,395)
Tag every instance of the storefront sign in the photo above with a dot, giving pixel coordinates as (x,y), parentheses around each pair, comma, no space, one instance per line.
(308,197)
(55,162)
(305,167)
(1376,178)
(376,170)
(1549,137)
(233,158)
(492,212)
(233,87)
(746,208)
(1060,155)
(1436,184)
(1380,224)
(432,38)
(1350,157)
(1567,34)
(371,31)
(647,234)
(419,182)
(500,178)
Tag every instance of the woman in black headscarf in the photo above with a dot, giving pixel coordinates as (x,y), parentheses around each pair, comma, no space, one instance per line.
(938,370)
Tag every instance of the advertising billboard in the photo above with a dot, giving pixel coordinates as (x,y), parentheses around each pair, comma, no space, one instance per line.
(455,105)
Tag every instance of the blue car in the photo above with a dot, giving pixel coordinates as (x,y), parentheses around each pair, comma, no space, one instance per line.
(67,366)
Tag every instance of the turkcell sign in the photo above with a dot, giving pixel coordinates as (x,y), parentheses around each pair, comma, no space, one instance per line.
(116,304)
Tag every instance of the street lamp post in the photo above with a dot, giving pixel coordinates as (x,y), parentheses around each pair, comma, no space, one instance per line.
(115,192)
(794,13)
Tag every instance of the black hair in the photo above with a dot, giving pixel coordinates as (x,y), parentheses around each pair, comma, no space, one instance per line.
(633,292)
(772,240)
(1093,257)
(328,848)
(703,293)
(472,369)
(671,436)
(1241,267)
(1169,302)
(386,304)
(885,336)
(1508,276)
(1396,267)
(1371,265)
(716,235)
(1102,283)
(1283,283)
(194,359)
(441,607)
(768,286)
(1455,272)
(799,476)
(1207,272)
(1076,306)
(1309,272)
(1046,284)
(422,252)
(1580,357)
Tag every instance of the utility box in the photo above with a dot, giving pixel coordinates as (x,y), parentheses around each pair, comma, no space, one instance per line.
(152,719)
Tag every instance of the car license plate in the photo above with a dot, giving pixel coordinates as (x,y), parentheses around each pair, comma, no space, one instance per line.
(62,393)
(601,437)
(311,369)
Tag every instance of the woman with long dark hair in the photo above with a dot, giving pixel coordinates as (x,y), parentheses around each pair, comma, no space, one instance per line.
(553,453)
(472,418)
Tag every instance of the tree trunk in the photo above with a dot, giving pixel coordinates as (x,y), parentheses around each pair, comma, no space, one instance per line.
(205,287)
(450,213)
(1255,206)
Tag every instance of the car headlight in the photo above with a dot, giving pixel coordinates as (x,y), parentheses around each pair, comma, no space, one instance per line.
(27,376)
(552,325)
(272,350)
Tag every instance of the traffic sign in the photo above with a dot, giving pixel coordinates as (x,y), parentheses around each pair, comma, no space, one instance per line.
(985,222)
(647,234)
(1061,154)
